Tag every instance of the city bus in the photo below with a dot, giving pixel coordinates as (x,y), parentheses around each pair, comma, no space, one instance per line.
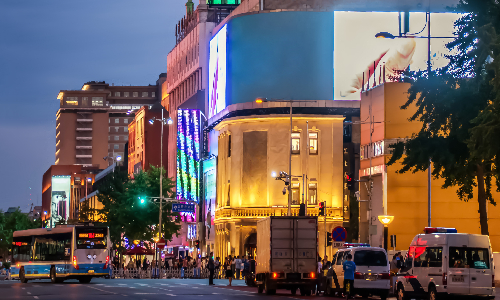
(65,252)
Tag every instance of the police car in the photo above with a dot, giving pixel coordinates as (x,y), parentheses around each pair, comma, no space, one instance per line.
(372,276)
(443,262)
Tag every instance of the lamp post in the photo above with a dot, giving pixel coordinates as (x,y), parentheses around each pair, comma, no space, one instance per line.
(260,101)
(163,122)
(386,220)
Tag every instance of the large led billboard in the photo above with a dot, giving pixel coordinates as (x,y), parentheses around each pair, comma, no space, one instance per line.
(210,188)
(188,154)
(60,199)
(360,47)
(217,69)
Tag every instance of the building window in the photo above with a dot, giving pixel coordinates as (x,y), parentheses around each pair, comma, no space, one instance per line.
(117,94)
(117,138)
(313,143)
(228,202)
(117,121)
(135,94)
(295,142)
(313,194)
(229,147)
(71,100)
(144,94)
(97,101)
(85,101)
(153,94)
(125,94)
(125,121)
(295,193)
(125,129)
(116,129)
(117,146)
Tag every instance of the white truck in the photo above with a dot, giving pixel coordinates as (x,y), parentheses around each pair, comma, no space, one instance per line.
(286,254)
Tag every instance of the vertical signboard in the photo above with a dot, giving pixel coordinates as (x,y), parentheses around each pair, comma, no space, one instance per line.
(60,198)
(188,154)
(217,70)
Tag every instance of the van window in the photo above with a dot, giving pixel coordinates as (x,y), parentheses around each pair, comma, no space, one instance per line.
(370,258)
(428,257)
(475,258)
(340,258)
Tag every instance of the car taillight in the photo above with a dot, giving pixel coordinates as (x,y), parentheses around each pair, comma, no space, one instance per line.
(492,280)
(312,275)
(275,275)
(75,264)
(359,275)
(107,261)
(385,275)
(445,279)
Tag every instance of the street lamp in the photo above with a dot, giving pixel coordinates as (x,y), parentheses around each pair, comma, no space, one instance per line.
(261,100)
(386,220)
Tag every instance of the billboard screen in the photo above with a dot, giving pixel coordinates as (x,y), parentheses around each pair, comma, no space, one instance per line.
(217,72)
(210,182)
(356,47)
(188,154)
(60,198)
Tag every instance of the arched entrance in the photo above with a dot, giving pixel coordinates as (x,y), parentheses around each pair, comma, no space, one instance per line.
(250,247)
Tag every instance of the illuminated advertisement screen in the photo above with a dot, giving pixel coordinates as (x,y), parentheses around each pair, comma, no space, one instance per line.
(210,180)
(59,205)
(364,38)
(217,73)
(188,154)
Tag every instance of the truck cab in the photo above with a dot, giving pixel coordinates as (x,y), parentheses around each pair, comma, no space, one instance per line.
(443,262)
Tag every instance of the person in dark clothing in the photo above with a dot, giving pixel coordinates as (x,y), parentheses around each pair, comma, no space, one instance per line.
(211,269)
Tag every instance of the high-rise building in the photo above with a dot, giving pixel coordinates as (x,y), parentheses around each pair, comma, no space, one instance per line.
(92,123)
(144,139)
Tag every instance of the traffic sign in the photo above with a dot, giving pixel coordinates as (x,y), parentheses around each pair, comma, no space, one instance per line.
(160,244)
(183,207)
(339,234)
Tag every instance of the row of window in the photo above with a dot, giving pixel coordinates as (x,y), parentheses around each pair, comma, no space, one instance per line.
(135,94)
(117,129)
(117,138)
(96,101)
(117,121)
(459,257)
(115,146)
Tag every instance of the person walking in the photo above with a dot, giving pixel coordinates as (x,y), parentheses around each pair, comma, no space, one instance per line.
(211,269)
(349,269)
(198,268)
(217,267)
(229,270)
(237,266)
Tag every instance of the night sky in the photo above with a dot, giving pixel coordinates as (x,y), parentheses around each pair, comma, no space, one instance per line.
(52,45)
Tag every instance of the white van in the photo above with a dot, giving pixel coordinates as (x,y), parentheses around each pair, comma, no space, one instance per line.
(372,276)
(443,262)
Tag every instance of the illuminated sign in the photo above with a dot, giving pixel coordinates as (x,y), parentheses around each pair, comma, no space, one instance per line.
(217,73)
(188,155)
(59,206)
(210,184)
(223,2)
(19,244)
(91,235)
(359,56)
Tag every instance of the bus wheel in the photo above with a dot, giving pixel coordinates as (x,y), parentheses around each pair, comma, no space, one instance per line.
(85,279)
(53,275)
(22,276)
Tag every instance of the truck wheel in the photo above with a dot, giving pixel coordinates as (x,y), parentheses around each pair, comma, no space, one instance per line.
(268,290)
(260,289)
(293,291)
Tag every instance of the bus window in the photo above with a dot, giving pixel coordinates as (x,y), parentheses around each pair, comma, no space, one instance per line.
(91,238)
(21,249)
(52,247)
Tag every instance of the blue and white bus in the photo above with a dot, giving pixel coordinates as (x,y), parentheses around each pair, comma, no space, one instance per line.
(64,252)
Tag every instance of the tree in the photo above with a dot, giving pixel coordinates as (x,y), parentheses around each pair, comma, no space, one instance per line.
(127,216)
(450,102)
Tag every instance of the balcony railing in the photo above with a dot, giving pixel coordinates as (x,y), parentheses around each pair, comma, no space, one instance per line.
(262,212)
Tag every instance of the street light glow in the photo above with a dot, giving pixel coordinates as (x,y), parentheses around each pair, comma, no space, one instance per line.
(118,158)
(273,174)
(386,220)
(170,121)
(151,121)
(259,100)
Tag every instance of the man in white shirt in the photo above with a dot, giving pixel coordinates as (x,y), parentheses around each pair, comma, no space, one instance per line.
(237,263)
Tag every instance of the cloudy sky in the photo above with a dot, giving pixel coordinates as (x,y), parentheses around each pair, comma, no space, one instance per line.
(52,45)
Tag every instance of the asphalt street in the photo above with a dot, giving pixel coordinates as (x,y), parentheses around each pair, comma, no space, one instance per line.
(142,289)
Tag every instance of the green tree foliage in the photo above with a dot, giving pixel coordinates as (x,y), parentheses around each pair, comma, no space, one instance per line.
(125,214)
(14,222)
(456,105)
